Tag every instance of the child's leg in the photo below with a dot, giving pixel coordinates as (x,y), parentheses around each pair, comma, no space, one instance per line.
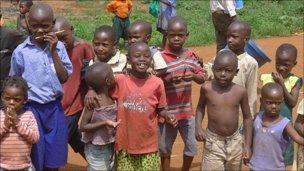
(166,140)
(117,26)
(234,149)
(74,134)
(187,130)
(126,24)
(100,157)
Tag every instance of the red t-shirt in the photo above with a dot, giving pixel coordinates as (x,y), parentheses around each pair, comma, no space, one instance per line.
(137,101)
(179,95)
(74,89)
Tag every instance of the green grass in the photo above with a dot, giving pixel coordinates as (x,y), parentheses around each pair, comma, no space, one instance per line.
(266,17)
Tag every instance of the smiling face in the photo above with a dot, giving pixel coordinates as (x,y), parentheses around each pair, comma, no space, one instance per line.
(140,59)
(225,68)
(176,35)
(40,21)
(104,46)
(237,36)
(13,97)
(284,63)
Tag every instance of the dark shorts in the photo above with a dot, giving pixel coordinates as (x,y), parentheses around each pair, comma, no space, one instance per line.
(51,150)
(120,26)
(74,138)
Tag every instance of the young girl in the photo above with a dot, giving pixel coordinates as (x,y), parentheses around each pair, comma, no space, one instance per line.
(98,124)
(286,59)
(18,127)
(271,131)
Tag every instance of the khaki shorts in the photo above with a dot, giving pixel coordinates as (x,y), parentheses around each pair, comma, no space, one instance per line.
(222,153)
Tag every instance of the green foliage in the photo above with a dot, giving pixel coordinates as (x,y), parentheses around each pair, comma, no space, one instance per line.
(266,17)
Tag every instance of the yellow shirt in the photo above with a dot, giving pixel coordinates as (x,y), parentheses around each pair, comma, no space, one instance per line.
(289,82)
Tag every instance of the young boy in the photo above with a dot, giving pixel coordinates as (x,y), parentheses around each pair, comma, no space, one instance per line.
(140,99)
(24,8)
(223,142)
(141,30)
(10,39)
(44,63)
(18,127)
(272,132)
(121,22)
(74,89)
(105,48)
(238,34)
(183,68)
(286,59)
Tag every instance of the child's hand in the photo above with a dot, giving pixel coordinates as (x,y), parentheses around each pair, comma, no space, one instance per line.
(13,116)
(246,155)
(188,77)
(52,39)
(171,120)
(8,120)
(176,79)
(200,134)
(278,78)
(91,100)
(112,123)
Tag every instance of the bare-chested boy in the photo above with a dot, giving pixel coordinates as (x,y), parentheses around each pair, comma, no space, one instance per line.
(223,149)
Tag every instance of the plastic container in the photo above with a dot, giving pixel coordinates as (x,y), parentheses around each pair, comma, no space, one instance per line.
(239,4)
(257,53)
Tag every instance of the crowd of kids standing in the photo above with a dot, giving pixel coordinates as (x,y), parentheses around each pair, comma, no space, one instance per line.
(130,106)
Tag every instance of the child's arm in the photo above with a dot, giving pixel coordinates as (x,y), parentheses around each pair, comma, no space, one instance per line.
(4,128)
(62,73)
(28,130)
(290,131)
(248,124)
(169,118)
(200,134)
(299,125)
(87,126)
(292,97)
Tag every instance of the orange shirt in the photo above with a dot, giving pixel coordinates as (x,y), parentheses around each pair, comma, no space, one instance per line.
(121,8)
(137,101)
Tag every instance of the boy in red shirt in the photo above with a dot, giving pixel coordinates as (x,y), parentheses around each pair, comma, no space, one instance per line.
(183,68)
(74,89)
(140,98)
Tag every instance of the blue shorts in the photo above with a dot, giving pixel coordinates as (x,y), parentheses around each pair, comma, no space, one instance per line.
(186,128)
(51,150)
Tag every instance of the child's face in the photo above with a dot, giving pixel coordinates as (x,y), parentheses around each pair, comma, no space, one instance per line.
(272,103)
(236,38)
(13,97)
(104,46)
(137,34)
(224,71)
(176,36)
(23,9)
(284,63)
(66,37)
(140,59)
(40,24)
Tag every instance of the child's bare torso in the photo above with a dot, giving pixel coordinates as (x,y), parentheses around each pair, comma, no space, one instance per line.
(223,108)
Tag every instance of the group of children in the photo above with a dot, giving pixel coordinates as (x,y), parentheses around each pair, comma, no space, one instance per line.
(132,105)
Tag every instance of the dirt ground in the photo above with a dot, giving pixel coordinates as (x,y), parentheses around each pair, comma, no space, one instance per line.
(269,45)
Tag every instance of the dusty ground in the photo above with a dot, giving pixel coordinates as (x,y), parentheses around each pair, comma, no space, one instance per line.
(269,45)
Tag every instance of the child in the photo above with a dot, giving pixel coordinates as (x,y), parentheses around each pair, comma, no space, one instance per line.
(24,8)
(10,39)
(121,22)
(183,68)
(18,127)
(167,12)
(98,124)
(105,48)
(74,89)
(286,59)
(140,99)
(141,30)
(44,63)
(271,131)
(223,142)
(299,126)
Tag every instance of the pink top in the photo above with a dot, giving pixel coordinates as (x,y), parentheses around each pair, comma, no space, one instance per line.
(16,143)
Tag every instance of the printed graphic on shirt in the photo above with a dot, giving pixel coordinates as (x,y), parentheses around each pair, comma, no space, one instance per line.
(135,103)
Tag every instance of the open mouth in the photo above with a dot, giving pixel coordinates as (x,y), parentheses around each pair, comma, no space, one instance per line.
(142,65)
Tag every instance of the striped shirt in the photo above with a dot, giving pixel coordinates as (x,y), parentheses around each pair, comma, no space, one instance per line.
(179,95)
(16,143)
